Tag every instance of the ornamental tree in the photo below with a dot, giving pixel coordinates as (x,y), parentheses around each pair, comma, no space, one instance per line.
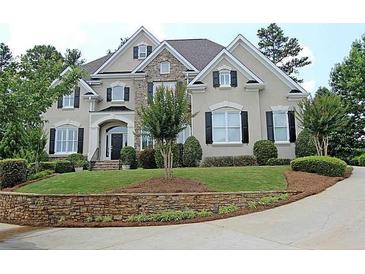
(166,114)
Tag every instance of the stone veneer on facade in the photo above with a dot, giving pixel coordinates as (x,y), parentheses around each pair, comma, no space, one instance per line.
(54,210)
(152,71)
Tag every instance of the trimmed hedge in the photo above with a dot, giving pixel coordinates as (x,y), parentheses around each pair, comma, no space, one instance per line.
(12,172)
(322,165)
(78,160)
(304,145)
(47,166)
(278,162)
(128,156)
(264,150)
(146,158)
(224,161)
(64,166)
(192,152)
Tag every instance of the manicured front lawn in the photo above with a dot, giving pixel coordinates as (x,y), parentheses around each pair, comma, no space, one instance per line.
(217,179)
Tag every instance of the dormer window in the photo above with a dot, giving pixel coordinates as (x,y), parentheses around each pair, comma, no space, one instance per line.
(164,68)
(142,52)
(225,78)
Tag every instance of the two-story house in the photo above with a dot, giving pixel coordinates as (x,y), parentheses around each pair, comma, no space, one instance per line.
(237,94)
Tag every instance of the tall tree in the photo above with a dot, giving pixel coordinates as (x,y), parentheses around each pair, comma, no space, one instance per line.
(323,91)
(5,56)
(73,58)
(166,114)
(282,50)
(322,116)
(347,80)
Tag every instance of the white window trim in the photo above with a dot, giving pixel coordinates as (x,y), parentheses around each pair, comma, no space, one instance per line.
(169,68)
(141,140)
(67,141)
(71,95)
(163,83)
(140,51)
(283,111)
(226,127)
(114,86)
(225,71)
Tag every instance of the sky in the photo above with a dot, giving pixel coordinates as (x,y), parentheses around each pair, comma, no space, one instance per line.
(325,44)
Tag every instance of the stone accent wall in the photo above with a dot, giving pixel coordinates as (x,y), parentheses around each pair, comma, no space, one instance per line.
(53,210)
(152,71)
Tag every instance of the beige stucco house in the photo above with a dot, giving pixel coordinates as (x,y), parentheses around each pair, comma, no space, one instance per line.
(237,94)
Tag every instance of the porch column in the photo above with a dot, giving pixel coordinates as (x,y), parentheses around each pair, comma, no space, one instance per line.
(130,140)
(93,141)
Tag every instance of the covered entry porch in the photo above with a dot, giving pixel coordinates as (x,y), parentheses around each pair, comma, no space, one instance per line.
(108,134)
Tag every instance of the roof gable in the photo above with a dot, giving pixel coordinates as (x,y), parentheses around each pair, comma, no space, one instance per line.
(127,45)
(158,50)
(225,54)
(240,40)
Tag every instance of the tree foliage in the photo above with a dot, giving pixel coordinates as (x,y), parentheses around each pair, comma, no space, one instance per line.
(73,58)
(347,80)
(282,50)
(165,115)
(322,116)
(5,56)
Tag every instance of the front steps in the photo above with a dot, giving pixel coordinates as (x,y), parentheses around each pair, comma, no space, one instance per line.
(105,165)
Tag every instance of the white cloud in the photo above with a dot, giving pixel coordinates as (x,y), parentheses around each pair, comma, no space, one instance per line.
(309,86)
(307,52)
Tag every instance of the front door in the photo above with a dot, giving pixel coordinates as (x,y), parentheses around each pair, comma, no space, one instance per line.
(117,143)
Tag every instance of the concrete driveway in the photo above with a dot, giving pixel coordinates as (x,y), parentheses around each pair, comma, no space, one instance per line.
(333,219)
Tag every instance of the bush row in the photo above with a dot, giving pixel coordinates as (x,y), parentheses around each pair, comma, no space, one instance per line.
(12,172)
(245,160)
(323,165)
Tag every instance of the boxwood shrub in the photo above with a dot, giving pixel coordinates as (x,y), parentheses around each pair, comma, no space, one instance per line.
(12,172)
(278,162)
(322,165)
(264,150)
(64,166)
(47,166)
(224,161)
(304,145)
(146,158)
(192,152)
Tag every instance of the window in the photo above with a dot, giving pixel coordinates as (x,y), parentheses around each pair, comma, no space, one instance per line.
(281,132)
(146,140)
(66,140)
(226,127)
(142,52)
(164,68)
(68,100)
(225,78)
(168,85)
(183,135)
(118,93)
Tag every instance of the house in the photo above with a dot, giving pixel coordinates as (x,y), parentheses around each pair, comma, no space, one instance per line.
(237,94)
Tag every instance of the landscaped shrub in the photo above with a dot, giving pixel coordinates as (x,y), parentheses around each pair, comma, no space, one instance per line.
(40,174)
(78,160)
(192,152)
(264,150)
(304,145)
(323,165)
(47,166)
(278,162)
(224,161)
(128,156)
(169,216)
(147,158)
(64,166)
(12,172)
(178,151)
(361,160)
(228,209)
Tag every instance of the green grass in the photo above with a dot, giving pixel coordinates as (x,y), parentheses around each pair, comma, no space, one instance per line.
(217,179)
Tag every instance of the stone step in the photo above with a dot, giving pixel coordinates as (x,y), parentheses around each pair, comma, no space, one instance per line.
(106,165)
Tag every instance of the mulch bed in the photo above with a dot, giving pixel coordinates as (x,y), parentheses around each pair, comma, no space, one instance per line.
(160,185)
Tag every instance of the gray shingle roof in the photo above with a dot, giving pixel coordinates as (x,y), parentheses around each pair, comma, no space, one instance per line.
(92,66)
(199,52)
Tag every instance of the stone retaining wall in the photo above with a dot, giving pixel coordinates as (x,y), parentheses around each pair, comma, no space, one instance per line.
(53,210)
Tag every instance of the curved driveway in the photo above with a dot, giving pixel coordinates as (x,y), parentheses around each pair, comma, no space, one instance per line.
(333,219)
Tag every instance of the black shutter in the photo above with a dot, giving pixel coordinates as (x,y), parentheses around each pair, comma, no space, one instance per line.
(270,126)
(208,128)
(80,140)
(149,50)
(108,94)
(150,91)
(77,97)
(126,93)
(215,79)
(135,52)
(52,136)
(233,78)
(244,122)
(60,102)
(292,133)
